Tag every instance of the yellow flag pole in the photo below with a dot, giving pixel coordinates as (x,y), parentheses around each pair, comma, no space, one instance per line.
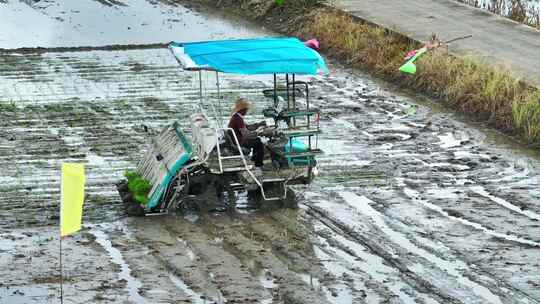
(61,276)
(71,206)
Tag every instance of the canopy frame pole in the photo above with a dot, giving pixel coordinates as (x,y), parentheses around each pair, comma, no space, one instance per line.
(211,103)
(200,87)
(308,117)
(275,92)
(289,108)
(294,96)
(220,113)
(200,105)
(288,97)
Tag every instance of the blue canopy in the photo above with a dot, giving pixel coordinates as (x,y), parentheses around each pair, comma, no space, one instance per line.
(250,56)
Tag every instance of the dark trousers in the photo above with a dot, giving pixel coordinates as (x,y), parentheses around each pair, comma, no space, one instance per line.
(258,150)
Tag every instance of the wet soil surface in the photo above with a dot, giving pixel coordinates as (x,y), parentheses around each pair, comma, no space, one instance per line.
(57,23)
(412,205)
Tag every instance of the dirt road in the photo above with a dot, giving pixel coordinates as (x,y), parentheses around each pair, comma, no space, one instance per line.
(497,39)
(413,205)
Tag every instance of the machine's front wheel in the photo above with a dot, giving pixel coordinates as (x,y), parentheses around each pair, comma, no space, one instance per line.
(186,188)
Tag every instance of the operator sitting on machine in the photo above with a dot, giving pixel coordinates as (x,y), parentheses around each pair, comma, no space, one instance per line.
(248,134)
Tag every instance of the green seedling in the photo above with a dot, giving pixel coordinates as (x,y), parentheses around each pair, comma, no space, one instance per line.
(138,186)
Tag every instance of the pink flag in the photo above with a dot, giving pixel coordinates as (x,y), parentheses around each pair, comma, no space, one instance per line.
(313,43)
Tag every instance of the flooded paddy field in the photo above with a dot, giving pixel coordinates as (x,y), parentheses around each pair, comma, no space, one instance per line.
(412,205)
(105,22)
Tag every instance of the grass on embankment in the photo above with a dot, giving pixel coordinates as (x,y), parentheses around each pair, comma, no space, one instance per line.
(482,91)
(486,92)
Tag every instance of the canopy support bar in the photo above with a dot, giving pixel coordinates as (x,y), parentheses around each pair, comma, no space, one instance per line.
(200,87)
(219,110)
(275,92)
(288,102)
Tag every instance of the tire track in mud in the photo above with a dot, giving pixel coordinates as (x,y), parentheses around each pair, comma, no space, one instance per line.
(507,237)
(112,47)
(395,247)
(231,257)
(111,2)
(448,283)
(455,172)
(481,191)
(359,257)
(132,284)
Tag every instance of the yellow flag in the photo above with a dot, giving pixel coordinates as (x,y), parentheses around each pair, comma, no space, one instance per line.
(72,198)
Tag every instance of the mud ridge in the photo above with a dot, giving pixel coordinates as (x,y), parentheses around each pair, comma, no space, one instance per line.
(112,47)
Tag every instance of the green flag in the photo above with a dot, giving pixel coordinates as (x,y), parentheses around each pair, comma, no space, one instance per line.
(280,2)
(409,67)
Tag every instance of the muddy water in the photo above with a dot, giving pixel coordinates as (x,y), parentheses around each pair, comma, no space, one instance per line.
(133,284)
(413,205)
(64,23)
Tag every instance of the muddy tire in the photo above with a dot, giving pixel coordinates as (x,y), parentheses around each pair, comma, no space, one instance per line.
(189,204)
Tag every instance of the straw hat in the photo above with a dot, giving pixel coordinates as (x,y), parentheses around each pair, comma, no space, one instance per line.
(241,104)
